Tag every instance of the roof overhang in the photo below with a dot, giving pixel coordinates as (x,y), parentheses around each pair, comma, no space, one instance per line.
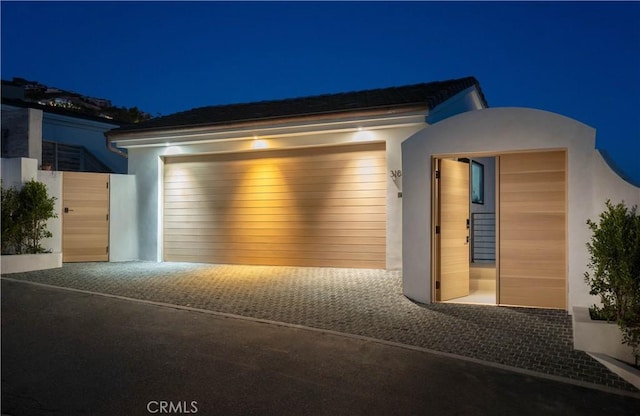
(285,127)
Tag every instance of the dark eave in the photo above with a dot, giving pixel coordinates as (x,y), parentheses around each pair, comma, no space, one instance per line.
(425,95)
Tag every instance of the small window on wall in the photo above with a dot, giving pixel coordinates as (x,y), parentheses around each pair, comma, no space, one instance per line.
(477,182)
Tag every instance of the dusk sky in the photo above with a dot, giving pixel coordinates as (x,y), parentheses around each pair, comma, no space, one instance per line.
(578,59)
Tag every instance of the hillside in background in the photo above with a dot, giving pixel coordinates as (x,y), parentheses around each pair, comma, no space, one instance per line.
(35,92)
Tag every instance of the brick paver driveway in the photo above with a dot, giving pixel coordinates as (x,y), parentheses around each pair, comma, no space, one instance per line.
(356,301)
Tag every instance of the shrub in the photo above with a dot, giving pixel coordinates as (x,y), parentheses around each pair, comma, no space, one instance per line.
(614,259)
(11,230)
(24,218)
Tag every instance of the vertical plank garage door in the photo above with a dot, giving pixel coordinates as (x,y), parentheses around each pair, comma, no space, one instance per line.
(533,229)
(304,207)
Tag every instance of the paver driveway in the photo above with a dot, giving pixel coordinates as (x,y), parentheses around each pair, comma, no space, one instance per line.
(356,301)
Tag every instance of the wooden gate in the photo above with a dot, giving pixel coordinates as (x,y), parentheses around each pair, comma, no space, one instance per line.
(533,269)
(85,217)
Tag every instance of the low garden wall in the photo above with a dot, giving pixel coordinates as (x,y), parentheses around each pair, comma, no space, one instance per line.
(29,262)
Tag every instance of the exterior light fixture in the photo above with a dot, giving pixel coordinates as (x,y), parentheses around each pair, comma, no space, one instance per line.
(259,144)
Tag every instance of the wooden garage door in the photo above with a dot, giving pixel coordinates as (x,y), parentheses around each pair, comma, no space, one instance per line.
(533,229)
(306,207)
(85,217)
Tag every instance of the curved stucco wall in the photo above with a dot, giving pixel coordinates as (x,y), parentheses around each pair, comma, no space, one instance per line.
(493,131)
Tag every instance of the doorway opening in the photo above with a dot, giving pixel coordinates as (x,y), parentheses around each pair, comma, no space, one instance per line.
(465,229)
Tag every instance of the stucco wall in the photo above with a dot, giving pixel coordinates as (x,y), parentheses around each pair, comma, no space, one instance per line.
(123,218)
(493,131)
(147,163)
(53,182)
(16,171)
(81,132)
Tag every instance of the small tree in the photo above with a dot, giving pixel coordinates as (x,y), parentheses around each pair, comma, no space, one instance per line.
(37,208)
(24,218)
(11,229)
(615,261)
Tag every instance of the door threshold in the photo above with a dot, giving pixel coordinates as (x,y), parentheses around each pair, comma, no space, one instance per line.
(463,302)
(476,297)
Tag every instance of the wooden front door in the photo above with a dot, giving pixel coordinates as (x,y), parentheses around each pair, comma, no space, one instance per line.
(533,229)
(453,185)
(85,221)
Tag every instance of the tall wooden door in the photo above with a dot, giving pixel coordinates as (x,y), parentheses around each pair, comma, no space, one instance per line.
(533,229)
(85,221)
(453,199)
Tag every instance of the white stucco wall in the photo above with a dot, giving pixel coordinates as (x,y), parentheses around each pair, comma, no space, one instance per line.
(146,164)
(500,130)
(81,132)
(16,171)
(123,218)
(53,182)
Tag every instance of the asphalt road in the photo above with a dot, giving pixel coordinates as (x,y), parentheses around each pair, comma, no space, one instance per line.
(69,353)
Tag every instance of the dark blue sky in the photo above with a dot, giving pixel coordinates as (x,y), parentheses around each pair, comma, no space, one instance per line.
(579,59)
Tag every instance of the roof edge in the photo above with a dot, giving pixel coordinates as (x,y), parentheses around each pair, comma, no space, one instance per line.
(328,116)
(426,95)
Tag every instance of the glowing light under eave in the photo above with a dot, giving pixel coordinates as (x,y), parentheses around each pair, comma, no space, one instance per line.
(363,136)
(172,150)
(259,144)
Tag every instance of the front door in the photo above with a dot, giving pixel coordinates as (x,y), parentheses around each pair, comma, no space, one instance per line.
(85,221)
(453,227)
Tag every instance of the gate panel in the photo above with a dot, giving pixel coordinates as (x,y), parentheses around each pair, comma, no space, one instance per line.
(85,221)
(533,229)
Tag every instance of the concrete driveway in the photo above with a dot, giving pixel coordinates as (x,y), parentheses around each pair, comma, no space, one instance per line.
(70,353)
(366,303)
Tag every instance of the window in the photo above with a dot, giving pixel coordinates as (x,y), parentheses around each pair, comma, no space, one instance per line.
(477,182)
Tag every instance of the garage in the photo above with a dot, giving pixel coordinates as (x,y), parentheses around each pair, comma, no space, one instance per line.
(321,206)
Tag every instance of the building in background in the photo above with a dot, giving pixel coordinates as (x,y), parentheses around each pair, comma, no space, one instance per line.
(63,130)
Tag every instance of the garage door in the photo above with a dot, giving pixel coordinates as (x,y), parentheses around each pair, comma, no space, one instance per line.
(304,207)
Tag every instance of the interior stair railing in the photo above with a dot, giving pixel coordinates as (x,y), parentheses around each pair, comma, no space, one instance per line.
(483,237)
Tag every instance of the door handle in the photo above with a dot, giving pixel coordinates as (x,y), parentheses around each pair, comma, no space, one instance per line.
(67,210)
